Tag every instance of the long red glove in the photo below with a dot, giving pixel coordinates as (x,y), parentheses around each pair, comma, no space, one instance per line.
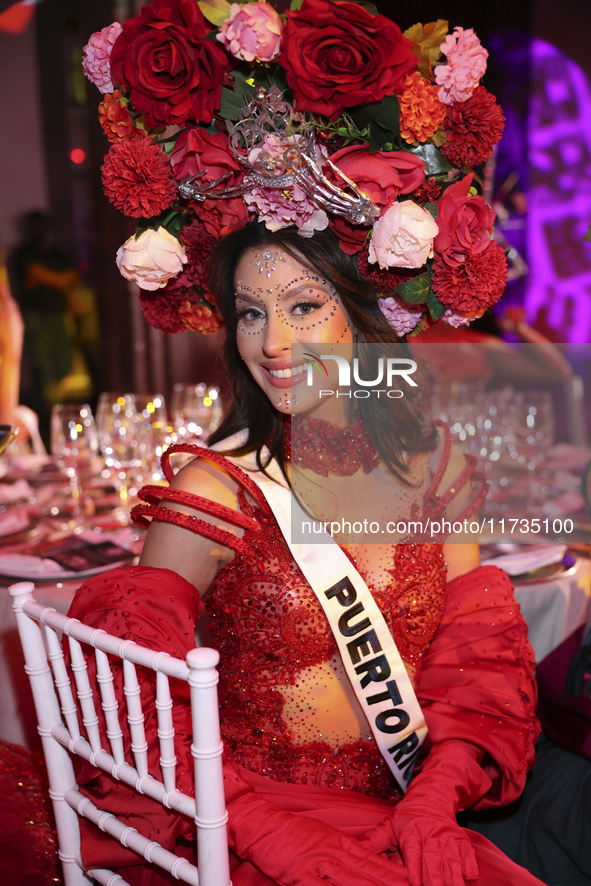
(293,850)
(436,851)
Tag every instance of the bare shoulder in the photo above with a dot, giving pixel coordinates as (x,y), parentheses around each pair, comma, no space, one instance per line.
(192,555)
(460,558)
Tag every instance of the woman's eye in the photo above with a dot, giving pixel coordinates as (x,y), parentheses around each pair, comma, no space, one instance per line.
(304,309)
(251,315)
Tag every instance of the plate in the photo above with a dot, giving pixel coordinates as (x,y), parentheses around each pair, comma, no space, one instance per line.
(567,566)
(21,573)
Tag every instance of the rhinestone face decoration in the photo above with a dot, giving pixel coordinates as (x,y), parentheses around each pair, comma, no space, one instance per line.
(266,262)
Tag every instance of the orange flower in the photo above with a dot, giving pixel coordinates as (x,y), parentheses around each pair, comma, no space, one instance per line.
(201,317)
(421,110)
(115,118)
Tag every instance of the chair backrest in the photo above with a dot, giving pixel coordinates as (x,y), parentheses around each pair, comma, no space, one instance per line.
(58,707)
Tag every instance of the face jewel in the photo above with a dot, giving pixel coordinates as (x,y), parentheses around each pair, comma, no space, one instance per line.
(266,261)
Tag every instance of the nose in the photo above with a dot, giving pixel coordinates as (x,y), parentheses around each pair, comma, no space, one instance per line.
(279,336)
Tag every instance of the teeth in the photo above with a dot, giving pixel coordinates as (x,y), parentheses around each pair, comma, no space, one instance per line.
(288,373)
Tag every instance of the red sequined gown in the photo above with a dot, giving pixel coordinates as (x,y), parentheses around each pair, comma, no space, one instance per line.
(464,643)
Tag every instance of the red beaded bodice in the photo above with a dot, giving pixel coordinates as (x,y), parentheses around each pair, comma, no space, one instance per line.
(269,629)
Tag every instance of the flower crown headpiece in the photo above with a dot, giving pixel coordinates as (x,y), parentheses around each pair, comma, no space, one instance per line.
(328,116)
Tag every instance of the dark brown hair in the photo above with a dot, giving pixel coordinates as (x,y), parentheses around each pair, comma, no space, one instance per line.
(396,427)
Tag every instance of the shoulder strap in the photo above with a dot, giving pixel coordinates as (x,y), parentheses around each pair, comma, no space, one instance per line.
(150,496)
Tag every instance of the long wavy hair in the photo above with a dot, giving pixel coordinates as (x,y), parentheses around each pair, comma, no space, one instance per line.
(397,427)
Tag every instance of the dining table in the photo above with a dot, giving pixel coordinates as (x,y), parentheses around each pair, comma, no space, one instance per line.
(37,526)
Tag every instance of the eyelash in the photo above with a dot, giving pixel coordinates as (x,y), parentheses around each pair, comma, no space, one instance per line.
(243,314)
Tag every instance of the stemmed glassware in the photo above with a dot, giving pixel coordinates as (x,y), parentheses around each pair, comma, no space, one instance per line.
(73,440)
(196,410)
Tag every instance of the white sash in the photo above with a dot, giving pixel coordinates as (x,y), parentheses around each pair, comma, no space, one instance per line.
(370,656)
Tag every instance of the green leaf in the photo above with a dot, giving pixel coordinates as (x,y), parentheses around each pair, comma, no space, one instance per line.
(215,11)
(383,119)
(232,103)
(432,209)
(416,291)
(587,235)
(435,162)
(173,219)
(295,5)
(436,309)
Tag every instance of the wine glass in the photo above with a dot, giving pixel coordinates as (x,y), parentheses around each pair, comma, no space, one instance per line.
(153,432)
(532,419)
(117,425)
(196,410)
(7,435)
(73,441)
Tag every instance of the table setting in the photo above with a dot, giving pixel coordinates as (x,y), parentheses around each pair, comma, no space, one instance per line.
(64,517)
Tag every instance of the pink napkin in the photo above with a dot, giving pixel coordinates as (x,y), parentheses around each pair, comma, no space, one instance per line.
(13,521)
(10,492)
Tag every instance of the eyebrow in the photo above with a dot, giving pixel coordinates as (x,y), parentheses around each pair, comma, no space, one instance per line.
(283,296)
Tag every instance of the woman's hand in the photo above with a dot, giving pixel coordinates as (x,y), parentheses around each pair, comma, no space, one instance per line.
(423,827)
(293,850)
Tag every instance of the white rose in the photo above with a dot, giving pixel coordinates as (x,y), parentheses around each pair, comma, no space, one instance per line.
(403,236)
(152,259)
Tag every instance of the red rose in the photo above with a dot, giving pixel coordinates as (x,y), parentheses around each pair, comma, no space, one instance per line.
(221,217)
(337,55)
(382,176)
(351,237)
(172,73)
(473,286)
(196,151)
(472,129)
(465,223)
(199,151)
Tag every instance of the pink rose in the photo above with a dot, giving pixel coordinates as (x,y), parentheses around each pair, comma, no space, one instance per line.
(252,31)
(96,61)
(152,259)
(403,237)
(466,64)
(465,223)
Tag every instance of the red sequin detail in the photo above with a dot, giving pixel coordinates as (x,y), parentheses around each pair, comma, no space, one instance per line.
(268,626)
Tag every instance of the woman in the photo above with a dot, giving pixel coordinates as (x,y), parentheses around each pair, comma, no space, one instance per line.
(310,797)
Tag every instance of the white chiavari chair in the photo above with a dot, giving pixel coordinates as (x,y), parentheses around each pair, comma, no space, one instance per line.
(57,705)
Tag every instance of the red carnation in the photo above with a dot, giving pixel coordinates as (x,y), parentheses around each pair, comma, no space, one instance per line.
(427,193)
(137,178)
(472,287)
(170,70)
(472,129)
(198,243)
(337,55)
(162,310)
(384,280)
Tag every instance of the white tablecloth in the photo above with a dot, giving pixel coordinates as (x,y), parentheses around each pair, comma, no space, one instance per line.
(552,610)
